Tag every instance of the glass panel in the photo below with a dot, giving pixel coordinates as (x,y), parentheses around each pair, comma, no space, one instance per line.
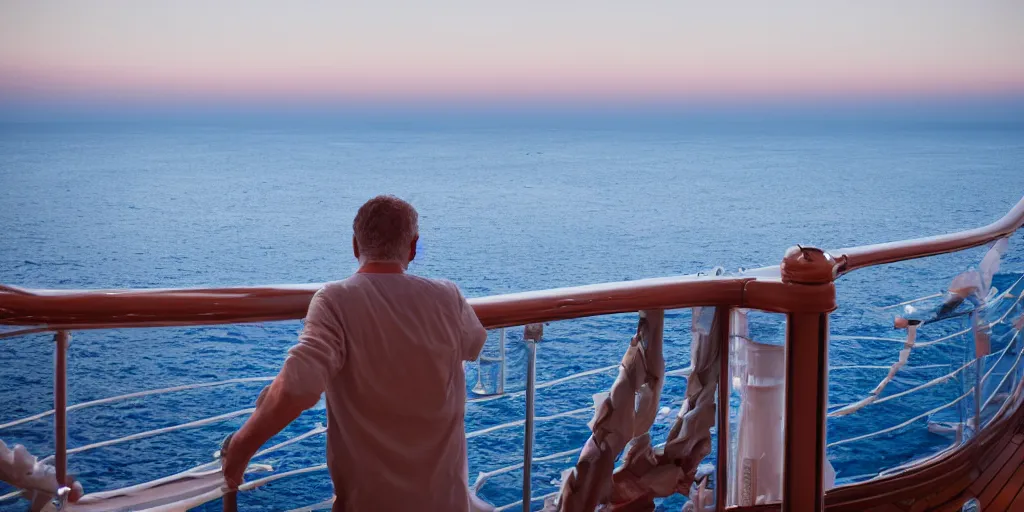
(1002,369)
(757,405)
(488,376)
(905,372)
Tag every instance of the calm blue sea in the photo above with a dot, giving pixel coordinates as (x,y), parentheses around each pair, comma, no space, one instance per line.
(506,204)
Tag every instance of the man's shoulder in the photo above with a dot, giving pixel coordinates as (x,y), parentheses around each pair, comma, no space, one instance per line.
(334,286)
(335,290)
(443,286)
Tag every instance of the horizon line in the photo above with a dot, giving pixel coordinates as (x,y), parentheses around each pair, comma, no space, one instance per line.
(503,102)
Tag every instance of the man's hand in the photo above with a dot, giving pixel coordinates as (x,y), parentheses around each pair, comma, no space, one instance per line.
(233,464)
(274,411)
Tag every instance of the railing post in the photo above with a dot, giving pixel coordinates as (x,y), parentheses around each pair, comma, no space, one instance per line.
(982,347)
(723,328)
(979,369)
(60,405)
(501,369)
(806,379)
(532,335)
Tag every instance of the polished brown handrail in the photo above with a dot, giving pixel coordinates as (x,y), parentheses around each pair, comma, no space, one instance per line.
(74,309)
(853,258)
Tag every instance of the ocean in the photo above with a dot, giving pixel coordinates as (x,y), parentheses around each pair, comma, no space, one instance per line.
(506,205)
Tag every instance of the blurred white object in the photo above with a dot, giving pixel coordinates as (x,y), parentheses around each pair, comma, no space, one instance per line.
(757,473)
(23,470)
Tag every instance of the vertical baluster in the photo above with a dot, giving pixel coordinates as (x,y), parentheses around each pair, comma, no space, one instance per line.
(532,335)
(982,348)
(60,405)
(979,370)
(722,328)
(501,369)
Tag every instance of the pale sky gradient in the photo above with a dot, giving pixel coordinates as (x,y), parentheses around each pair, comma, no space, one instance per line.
(386,50)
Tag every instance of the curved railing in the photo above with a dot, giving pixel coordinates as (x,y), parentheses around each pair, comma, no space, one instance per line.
(864,256)
(101,309)
(802,288)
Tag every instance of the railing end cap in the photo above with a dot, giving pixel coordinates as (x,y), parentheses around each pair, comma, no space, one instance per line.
(808,265)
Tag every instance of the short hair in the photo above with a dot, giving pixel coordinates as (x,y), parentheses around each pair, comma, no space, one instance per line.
(384,228)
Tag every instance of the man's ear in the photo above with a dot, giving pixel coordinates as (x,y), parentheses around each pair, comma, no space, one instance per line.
(355,247)
(412,247)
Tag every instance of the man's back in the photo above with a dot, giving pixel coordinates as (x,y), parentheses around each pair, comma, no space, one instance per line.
(388,349)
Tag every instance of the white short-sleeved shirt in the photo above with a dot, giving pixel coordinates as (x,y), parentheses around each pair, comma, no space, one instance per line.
(388,350)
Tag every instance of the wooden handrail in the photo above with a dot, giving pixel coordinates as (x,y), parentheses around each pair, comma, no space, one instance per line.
(853,258)
(100,309)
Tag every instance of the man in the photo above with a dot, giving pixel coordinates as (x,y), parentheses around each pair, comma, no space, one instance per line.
(387,348)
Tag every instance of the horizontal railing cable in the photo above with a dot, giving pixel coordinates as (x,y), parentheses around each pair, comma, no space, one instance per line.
(155,432)
(483,477)
(137,394)
(912,301)
(1002,382)
(905,423)
(676,372)
(219,492)
(516,423)
(944,378)
(323,505)
(934,382)
(547,384)
(514,504)
(318,429)
(883,367)
(244,380)
(933,411)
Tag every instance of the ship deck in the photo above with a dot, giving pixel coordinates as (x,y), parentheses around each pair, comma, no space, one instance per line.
(997,482)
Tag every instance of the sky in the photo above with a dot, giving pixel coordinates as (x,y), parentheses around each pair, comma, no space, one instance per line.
(386,51)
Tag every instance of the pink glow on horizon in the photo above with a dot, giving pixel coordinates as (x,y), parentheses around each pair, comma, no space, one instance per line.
(261,51)
(331,85)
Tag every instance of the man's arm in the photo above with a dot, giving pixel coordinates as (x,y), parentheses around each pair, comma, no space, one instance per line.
(309,367)
(474,335)
(276,410)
